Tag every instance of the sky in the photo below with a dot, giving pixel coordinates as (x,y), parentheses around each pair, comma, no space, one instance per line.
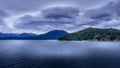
(41,16)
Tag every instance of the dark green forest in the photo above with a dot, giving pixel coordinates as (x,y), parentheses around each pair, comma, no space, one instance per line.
(95,34)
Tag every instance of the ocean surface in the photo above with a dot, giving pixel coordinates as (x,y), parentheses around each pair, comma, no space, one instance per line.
(59,54)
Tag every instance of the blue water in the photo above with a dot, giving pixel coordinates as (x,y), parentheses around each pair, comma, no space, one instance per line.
(59,54)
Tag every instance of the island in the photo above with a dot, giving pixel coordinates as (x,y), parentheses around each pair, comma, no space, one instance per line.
(94,34)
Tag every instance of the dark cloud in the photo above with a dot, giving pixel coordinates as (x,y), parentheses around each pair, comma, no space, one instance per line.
(112,8)
(98,14)
(38,24)
(60,12)
(53,17)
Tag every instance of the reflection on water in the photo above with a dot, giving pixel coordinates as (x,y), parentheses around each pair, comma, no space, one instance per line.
(59,54)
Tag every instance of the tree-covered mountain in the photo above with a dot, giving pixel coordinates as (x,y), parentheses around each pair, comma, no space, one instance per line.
(94,34)
(55,34)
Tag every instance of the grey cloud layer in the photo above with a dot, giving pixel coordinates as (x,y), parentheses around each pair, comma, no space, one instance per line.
(27,5)
(68,18)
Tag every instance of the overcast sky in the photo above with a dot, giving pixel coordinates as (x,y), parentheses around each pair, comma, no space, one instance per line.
(41,16)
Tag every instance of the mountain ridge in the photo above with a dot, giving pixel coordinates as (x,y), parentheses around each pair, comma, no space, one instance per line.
(94,34)
(29,36)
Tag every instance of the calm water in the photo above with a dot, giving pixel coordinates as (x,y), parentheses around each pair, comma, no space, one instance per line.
(59,54)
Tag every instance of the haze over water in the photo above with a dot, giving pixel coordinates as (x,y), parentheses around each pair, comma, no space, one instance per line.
(59,54)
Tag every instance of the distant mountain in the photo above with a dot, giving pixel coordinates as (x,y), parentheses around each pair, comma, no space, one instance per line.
(94,34)
(55,34)
(15,36)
